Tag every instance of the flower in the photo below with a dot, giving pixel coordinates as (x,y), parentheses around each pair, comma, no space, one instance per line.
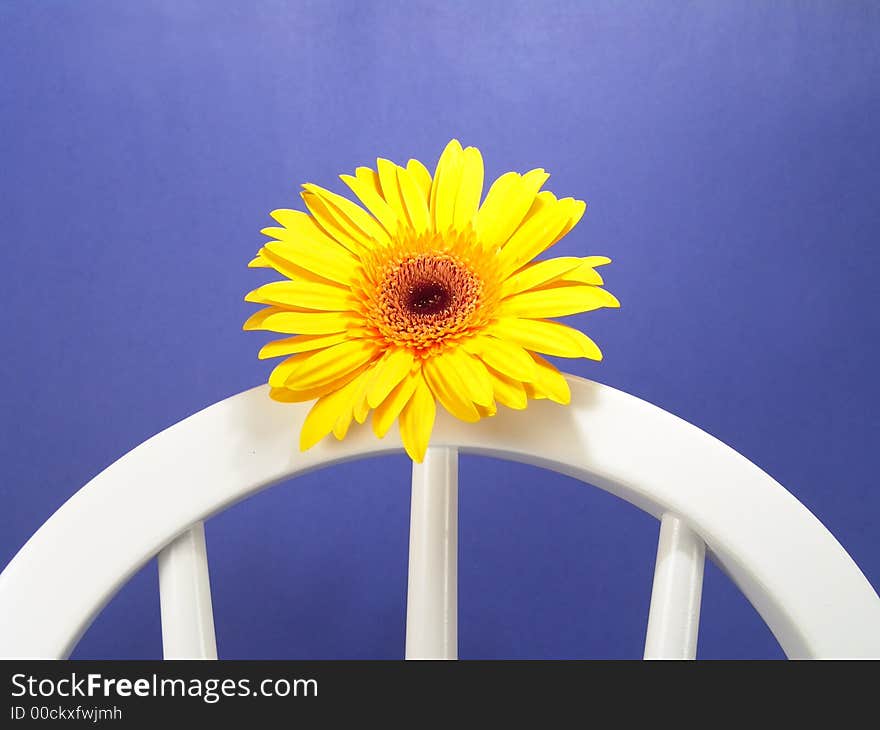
(423,295)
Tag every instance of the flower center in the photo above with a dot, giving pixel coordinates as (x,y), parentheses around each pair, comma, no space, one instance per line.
(429,297)
(426,298)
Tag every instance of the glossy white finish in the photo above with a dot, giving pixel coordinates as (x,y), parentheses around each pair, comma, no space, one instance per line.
(432,593)
(799,578)
(674,618)
(185,597)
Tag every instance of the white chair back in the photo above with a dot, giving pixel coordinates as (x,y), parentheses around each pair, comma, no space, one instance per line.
(153,501)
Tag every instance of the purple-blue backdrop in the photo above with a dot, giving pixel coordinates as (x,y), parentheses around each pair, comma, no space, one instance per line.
(729,154)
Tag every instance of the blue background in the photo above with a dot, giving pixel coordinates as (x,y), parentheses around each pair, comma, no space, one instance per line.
(729,155)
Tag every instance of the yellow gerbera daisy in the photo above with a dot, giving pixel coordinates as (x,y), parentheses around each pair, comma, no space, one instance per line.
(426,295)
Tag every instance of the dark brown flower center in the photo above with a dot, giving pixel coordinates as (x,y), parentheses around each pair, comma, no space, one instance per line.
(428,297)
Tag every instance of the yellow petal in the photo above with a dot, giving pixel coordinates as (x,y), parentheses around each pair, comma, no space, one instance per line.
(535,235)
(256,320)
(338,227)
(279,373)
(487,411)
(557,301)
(508,392)
(361,408)
(329,262)
(287,268)
(505,357)
(342,423)
(389,371)
(389,409)
(302,323)
(258,262)
(577,213)
(470,189)
(324,415)
(420,174)
(417,421)
(350,215)
(365,184)
(538,273)
(492,215)
(595,261)
(448,388)
(414,201)
(549,382)
(543,200)
(541,335)
(307,394)
(444,189)
(391,188)
(533,393)
(282,395)
(473,376)
(546,198)
(346,411)
(293,271)
(313,369)
(509,199)
(297,226)
(305,294)
(534,180)
(583,274)
(300,343)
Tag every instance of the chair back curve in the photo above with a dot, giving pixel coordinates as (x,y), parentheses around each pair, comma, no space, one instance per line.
(799,578)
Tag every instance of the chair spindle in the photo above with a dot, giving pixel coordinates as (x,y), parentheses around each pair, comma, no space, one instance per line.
(674,616)
(185,597)
(432,593)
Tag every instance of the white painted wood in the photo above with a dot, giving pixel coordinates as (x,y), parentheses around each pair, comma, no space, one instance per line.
(432,591)
(674,616)
(185,597)
(801,581)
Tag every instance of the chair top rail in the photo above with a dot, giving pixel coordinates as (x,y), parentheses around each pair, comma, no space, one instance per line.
(802,582)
